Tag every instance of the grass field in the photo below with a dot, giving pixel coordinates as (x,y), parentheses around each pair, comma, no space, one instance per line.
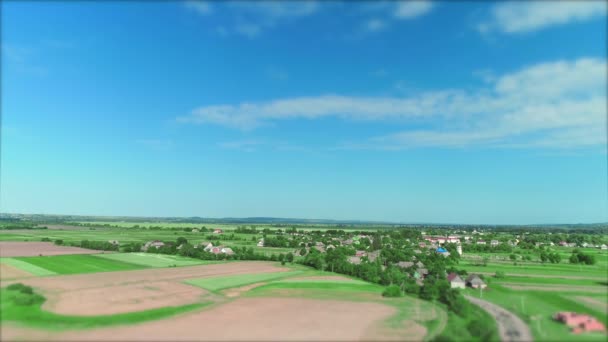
(33,315)
(221,283)
(73,264)
(27,267)
(153,260)
(537,308)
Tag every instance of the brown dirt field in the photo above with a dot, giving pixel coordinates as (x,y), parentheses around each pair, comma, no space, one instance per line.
(14,248)
(235,292)
(127,291)
(10,272)
(546,276)
(254,319)
(565,288)
(338,278)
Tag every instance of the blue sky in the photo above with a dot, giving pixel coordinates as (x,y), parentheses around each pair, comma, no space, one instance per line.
(461,112)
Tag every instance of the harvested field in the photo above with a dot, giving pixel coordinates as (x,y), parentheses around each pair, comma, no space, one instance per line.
(255,319)
(323,278)
(10,272)
(594,303)
(14,249)
(560,288)
(129,291)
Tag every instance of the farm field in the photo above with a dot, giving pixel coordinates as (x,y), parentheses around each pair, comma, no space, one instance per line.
(74,264)
(10,249)
(536,307)
(152,260)
(286,292)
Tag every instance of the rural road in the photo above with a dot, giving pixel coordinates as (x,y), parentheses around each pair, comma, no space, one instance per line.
(510,327)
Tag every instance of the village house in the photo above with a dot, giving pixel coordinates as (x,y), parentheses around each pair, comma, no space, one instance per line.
(455,281)
(404,264)
(584,245)
(114,242)
(218,231)
(604,247)
(320,248)
(196,230)
(261,242)
(330,247)
(442,251)
(475,282)
(372,256)
(579,322)
(227,250)
(206,245)
(481,242)
(563,243)
(360,253)
(355,260)
(494,243)
(156,244)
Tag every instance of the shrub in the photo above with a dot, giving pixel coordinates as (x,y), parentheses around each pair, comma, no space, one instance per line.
(500,274)
(392,291)
(59,242)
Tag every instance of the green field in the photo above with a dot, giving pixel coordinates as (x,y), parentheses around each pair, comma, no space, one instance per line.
(537,308)
(221,283)
(74,264)
(153,260)
(26,266)
(13,309)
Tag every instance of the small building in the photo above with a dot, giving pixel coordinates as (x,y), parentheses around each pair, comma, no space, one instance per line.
(360,253)
(404,264)
(196,230)
(218,231)
(481,242)
(475,282)
(321,249)
(156,244)
(603,247)
(442,251)
(494,243)
(372,256)
(330,247)
(455,281)
(563,243)
(114,242)
(355,260)
(227,251)
(579,323)
(261,243)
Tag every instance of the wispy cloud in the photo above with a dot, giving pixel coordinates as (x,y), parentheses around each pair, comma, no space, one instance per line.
(552,101)
(19,58)
(200,7)
(526,16)
(413,9)
(242,145)
(375,25)
(252,18)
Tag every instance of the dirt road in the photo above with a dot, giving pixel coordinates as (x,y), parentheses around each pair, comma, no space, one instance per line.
(510,327)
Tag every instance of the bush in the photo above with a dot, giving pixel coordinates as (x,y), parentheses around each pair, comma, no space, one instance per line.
(500,275)
(59,242)
(392,291)
(21,288)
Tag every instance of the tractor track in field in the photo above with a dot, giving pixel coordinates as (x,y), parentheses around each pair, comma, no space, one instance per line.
(510,327)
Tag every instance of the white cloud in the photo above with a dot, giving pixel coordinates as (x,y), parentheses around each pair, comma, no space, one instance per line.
(241,145)
(553,101)
(200,7)
(375,25)
(252,18)
(412,9)
(526,16)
